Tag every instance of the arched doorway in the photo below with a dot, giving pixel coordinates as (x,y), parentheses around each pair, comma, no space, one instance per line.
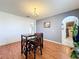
(67,25)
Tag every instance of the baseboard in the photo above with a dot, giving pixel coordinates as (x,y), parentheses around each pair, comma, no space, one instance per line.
(53,41)
(9,43)
(58,43)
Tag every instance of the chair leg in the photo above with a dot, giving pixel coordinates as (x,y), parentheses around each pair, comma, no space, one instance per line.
(34,52)
(21,44)
(21,49)
(42,45)
(26,54)
(41,50)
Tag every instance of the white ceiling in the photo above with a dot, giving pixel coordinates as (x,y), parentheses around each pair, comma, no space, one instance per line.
(45,8)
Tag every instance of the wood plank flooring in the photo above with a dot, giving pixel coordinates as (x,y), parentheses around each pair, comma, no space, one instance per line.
(50,51)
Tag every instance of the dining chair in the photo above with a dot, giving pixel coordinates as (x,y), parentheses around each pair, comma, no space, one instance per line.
(38,43)
(25,45)
(31,43)
(40,38)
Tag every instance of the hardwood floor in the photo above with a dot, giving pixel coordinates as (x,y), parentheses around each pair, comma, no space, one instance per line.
(50,51)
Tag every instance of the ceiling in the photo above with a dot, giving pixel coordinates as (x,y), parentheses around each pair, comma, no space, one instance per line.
(45,8)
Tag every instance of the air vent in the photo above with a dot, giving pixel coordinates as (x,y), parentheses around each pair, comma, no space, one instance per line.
(27,16)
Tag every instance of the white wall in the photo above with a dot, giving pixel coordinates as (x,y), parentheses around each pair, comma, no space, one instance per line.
(11,27)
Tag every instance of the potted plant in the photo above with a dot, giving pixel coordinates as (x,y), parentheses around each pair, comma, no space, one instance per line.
(75,52)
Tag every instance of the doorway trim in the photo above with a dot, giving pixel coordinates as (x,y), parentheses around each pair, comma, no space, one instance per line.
(64,22)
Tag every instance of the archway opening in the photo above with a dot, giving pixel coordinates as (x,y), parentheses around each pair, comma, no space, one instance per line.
(67,26)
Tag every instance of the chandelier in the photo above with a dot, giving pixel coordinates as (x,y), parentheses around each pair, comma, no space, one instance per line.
(35,13)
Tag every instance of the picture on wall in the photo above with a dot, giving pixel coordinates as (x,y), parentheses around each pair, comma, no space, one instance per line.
(47,24)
